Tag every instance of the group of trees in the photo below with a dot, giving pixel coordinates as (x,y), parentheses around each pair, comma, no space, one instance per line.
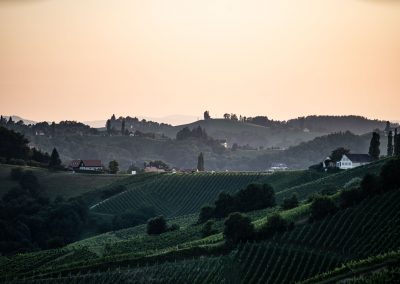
(393,147)
(197,132)
(158,225)
(14,149)
(253,197)
(30,221)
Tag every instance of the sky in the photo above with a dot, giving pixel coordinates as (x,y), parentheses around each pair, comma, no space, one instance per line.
(87,59)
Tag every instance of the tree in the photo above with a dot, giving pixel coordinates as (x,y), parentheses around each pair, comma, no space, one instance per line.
(10,121)
(234,117)
(322,206)
(370,184)
(13,144)
(224,205)
(396,143)
(113,166)
(338,153)
(200,162)
(374,146)
(390,175)
(108,126)
(156,226)
(350,197)
(290,202)
(206,213)
(238,228)
(55,161)
(207,115)
(53,129)
(227,116)
(123,127)
(255,196)
(275,224)
(208,229)
(390,144)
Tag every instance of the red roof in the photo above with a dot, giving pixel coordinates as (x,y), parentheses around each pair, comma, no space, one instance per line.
(92,163)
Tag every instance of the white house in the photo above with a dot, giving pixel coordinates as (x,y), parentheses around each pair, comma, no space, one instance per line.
(350,161)
(86,165)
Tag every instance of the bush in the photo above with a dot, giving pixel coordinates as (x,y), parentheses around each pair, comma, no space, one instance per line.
(156,226)
(206,213)
(321,207)
(290,202)
(350,197)
(208,229)
(274,224)
(370,185)
(390,175)
(238,228)
(224,205)
(16,174)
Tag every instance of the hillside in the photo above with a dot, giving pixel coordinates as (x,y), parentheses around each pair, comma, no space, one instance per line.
(65,184)
(367,229)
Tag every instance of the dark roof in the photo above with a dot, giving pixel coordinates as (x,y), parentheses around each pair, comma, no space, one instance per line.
(92,163)
(75,163)
(359,158)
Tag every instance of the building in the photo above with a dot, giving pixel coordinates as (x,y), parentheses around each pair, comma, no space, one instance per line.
(86,165)
(278,167)
(350,161)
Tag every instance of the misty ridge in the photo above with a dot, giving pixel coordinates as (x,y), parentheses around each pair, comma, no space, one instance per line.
(233,142)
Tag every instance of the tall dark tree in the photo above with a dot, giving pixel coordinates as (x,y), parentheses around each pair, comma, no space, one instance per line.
(396,143)
(113,166)
(113,118)
(387,128)
(53,129)
(338,153)
(13,144)
(200,163)
(390,144)
(207,115)
(10,121)
(123,127)
(374,146)
(108,126)
(55,160)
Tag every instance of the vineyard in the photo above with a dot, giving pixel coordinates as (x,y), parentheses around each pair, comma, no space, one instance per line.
(371,228)
(182,194)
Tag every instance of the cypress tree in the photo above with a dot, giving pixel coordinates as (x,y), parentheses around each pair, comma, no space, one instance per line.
(390,144)
(374,146)
(396,143)
(200,163)
(108,126)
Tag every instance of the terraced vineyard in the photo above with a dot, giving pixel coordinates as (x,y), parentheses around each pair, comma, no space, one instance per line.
(175,195)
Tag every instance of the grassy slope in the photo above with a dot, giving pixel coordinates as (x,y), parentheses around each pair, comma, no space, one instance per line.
(64,184)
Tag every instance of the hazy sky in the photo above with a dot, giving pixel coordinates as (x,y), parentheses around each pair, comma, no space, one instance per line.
(87,59)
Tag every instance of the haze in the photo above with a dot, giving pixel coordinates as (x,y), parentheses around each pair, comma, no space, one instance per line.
(87,59)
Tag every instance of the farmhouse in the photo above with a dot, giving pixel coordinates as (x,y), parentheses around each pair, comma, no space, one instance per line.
(86,165)
(350,161)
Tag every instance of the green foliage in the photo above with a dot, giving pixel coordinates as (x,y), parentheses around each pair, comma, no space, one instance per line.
(321,207)
(338,153)
(255,197)
(390,144)
(131,218)
(275,224)
(113,166)
(13,144)
(390,175)
(350,197)
(370,184)
(238,228)
(156,226)
(206,213)
(290,202)
(200,163)
(354,182)
(55,161)
(374,146)
(208,229)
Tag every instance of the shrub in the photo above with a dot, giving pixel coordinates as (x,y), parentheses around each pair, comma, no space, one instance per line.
(290,202)
(224,205)
(156,226)
(275,224)
(206,213)
(238,228)
(321,207)
(208,229)
(16,173)
(370,185)
(350,197)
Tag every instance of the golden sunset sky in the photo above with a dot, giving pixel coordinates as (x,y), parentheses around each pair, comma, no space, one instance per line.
(86,59)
